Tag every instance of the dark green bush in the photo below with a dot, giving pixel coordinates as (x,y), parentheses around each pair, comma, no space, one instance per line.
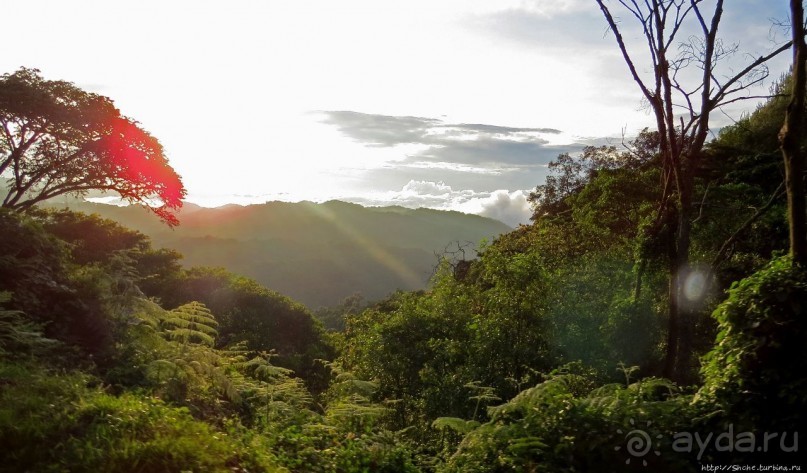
(51,422)
(756,375)
(565,424)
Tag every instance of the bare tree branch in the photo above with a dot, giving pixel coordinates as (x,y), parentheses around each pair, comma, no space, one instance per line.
(724,248)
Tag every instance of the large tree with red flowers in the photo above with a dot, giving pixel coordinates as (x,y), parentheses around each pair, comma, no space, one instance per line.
(58,139)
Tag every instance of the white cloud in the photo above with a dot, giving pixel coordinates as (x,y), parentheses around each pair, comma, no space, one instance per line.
(511,208)
(426,188)
(457,167)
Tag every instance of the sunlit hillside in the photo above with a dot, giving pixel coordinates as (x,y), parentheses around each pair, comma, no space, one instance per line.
(317,254)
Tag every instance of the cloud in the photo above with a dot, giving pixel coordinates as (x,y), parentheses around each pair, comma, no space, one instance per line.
(540,28)
(511,208)
(387,130)
(380,130)
(395,175)
(426,188)
(416,193)
(454,166)
(502,130)
(495,152)
(476,146)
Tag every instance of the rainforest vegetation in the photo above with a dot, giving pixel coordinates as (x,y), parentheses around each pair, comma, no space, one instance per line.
(554,349)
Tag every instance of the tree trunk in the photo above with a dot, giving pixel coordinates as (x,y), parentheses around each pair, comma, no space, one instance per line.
(678,355)
(790,138)
(670,355)
(685,317)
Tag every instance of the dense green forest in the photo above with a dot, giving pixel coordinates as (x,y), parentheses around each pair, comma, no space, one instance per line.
(317,254)
(560,346)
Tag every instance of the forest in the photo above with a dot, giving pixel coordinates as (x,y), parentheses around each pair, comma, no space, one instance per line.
(651,317)
(316,253)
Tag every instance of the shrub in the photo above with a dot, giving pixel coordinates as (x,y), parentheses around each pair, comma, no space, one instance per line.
(52,422)
(566,424)
(756,375)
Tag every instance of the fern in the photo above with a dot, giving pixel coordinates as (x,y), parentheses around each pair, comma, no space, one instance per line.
(191,323)
(483,394)
(261,368)
(455,424)
(17,334)
(187,335)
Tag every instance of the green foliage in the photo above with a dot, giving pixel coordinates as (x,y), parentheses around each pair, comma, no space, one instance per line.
(85,429)
(19,337)
(333,318)
(172,353)
(67,301)
(568,424)
(755,374)
(456,424)
(317,254)
(92,239)
(743,172)
(609,325)
(349,437)
(191,323)
(271,393)
(515,313)
(605,180)
(59,139)
(248,312)
(417,353)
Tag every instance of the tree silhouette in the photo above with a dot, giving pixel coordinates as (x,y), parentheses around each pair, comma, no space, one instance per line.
(791,135)
(57,139)
(682,92)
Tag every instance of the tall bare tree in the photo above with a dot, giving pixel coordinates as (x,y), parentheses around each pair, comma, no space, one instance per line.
(791,138)
(683,90)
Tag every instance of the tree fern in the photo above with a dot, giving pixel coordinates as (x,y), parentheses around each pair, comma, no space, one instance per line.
(176,348)
(272,389)
(455,424)
(191,323)
(18,335)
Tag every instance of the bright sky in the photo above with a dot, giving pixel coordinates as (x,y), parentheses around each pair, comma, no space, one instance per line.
(454,104)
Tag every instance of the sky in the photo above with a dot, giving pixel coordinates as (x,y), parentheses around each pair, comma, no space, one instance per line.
(448,104)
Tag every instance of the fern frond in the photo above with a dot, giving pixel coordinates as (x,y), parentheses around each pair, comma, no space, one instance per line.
(455,424)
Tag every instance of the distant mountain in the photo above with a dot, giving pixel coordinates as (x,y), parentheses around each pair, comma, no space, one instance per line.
(317,254)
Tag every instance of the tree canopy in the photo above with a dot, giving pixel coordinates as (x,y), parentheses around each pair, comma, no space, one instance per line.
(59,139)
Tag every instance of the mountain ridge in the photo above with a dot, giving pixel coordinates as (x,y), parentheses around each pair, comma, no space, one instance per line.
(316,253)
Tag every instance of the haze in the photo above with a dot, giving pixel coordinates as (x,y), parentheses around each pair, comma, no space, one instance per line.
(450,105)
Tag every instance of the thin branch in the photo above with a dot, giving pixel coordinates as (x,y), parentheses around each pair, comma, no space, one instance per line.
(623,48)
(679,20)
(749,97)
(721,254)
(703,202)
(760,60)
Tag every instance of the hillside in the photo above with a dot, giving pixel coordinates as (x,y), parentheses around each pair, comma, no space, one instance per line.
(317,254)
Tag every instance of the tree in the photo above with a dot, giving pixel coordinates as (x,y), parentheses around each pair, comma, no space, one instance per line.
(682,104)
(791,137)
(58,139)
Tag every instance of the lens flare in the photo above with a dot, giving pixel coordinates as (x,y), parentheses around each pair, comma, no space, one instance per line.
(695,285)
(378,253)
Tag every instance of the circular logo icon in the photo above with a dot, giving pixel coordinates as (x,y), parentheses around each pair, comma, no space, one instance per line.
(638,443)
